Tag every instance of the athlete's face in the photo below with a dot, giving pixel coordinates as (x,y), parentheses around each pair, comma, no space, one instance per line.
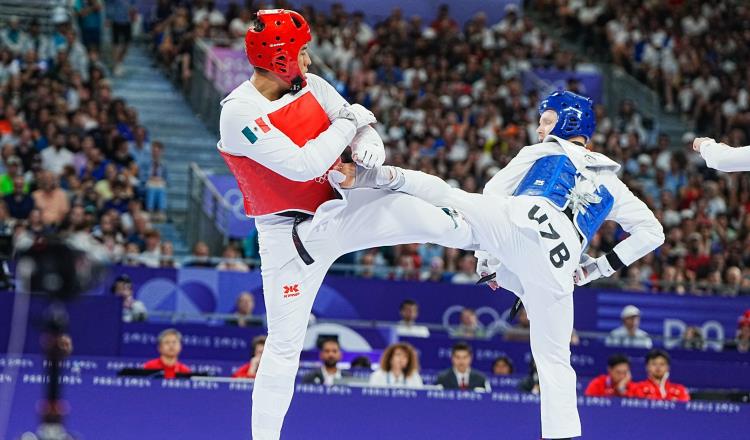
(303,59)
(547,122)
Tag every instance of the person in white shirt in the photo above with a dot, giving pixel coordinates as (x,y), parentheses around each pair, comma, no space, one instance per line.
(132,309)
(56,157)
(409,311)
(629,334)
(399,367)
(721,156)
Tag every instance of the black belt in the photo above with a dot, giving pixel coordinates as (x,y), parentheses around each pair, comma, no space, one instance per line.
(299,217)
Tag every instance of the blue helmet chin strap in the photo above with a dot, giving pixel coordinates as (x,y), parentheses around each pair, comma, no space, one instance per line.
(575,114)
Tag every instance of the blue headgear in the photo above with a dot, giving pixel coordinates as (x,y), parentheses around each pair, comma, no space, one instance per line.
(575,114)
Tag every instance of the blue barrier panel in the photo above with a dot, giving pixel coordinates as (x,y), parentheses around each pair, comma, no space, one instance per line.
(94,323)
(117,408)
(193,290)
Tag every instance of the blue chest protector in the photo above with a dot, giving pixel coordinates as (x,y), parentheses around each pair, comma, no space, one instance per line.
(554,177)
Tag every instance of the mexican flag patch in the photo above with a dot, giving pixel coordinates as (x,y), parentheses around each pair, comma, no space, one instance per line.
(255,129)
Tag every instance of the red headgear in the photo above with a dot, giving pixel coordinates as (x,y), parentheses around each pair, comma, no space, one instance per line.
(274,41)
(744,320)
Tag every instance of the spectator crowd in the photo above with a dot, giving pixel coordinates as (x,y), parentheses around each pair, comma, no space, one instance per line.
(451,101)
(74,159)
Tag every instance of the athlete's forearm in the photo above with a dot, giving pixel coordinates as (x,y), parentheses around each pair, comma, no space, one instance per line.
(311,161)
(643,239)
(725,158)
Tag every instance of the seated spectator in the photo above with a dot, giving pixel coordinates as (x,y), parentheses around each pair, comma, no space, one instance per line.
(436,272)
(170,346)
(201,256)
(520,331)
(629,333)
(231,260)
(19,203)
(469,326)
(409,311)
(104,187)
(693,339)
(132,255)
(329,372)
(120,198)
(167,255)
(51,200)
(361,363)
(132,309)
(13,171)
(243,314)
(741,342)
(657,385)
(248,370)
(56,157)
(151,255)
(460,376)
(502,366)
(467,273)
(399,367)
(616,383)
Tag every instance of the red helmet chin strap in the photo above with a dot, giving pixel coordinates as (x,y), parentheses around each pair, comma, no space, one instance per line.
(274,41)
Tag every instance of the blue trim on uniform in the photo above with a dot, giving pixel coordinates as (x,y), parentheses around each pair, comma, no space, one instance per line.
(551,177)
(590,220)
(554,177)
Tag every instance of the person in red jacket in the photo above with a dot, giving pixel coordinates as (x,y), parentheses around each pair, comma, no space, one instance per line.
(657,385)
(170,346)
(248,370)
(616,383)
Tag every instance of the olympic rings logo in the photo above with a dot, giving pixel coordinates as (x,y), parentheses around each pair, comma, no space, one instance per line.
(489,319)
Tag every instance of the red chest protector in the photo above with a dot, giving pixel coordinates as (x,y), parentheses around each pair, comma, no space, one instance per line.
(266,192)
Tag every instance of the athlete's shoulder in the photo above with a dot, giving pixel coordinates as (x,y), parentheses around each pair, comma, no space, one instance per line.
(242,101)
(541,149)
(315,81)
(243,94)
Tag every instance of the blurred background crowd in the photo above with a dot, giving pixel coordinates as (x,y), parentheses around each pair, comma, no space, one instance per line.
(449,100)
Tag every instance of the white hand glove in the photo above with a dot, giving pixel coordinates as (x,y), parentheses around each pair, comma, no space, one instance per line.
(591,269)
(698,142)
(486,265)
(359,115)
(368,150)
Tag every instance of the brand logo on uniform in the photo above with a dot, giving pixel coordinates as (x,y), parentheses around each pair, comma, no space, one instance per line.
(291,290)
(539,182)
(255,129)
